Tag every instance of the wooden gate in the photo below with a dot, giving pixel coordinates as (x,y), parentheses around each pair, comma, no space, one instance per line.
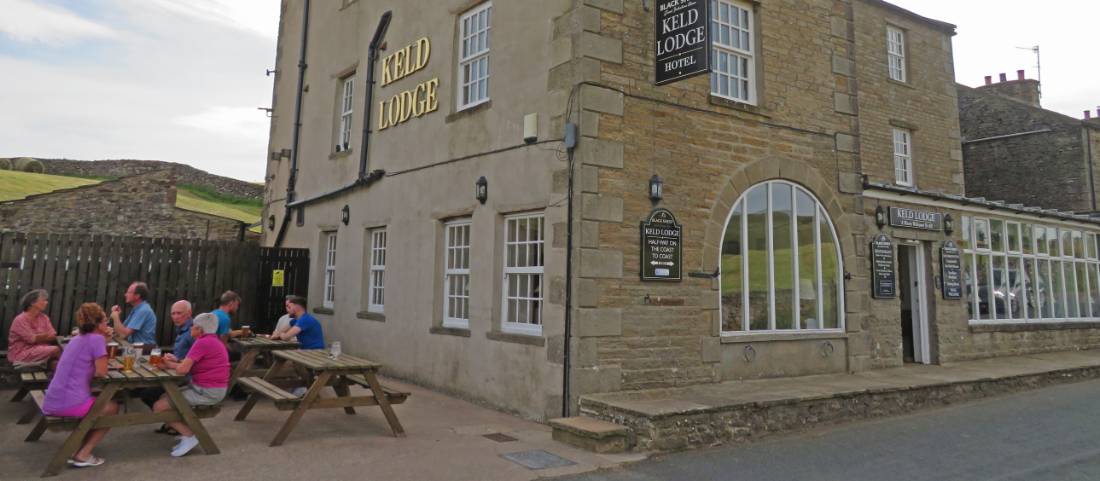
(281,272)
(96,268)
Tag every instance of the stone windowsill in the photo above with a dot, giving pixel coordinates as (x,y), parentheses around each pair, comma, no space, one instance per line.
(449,331)
(468,111)
(741,106)
(1030,327)
(773,337)
(371,316)
(899,83)
(524,339)
(323,310)
(339,155)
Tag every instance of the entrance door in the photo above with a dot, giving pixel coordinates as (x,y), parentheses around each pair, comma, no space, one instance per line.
(913,274)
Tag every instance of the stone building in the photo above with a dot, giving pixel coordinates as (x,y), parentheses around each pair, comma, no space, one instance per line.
(1008,137)
(142,205)
(485,237)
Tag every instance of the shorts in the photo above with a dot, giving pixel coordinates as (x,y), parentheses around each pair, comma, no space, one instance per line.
(78,411)
(202,396)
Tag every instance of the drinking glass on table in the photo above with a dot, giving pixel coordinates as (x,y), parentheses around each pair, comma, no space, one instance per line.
(154,357)
(129,355)
(112,350)
(334,350)
(246,331)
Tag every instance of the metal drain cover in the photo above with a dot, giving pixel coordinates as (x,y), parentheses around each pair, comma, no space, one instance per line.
(537,459)
(500,437)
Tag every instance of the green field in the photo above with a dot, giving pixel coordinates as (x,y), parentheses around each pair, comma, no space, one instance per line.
(17,185)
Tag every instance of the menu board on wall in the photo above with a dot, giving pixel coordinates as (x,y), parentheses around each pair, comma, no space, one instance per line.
(951,270)
(661,236)
(884,279)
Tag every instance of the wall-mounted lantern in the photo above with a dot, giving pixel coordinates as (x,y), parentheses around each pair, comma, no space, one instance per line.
(481,190)
(948,224)
(656,189)
(880,217)
(345,214)
(271,222)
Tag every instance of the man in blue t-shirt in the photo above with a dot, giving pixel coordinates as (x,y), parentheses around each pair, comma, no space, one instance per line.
(303,325)
(141,323)
(228,303)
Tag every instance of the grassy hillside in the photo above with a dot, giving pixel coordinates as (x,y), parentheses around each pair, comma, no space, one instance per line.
(17,185)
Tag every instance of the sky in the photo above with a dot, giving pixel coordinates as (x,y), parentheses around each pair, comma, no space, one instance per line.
(182,80)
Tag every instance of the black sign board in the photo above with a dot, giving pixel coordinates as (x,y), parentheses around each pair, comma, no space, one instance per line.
(882,268)
(683,39)
(915,219)
(661,256)
(951,271)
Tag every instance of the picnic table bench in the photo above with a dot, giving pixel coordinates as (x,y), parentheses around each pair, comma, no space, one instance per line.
(118,381)
(326,371)
(31,383)
(251,348)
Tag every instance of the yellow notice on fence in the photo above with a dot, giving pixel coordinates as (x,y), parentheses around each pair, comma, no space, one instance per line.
(277,276)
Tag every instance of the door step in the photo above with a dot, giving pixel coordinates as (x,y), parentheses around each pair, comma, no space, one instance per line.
(592,434)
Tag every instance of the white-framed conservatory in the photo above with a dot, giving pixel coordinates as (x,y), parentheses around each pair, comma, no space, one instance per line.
(781,268)
(1017,271)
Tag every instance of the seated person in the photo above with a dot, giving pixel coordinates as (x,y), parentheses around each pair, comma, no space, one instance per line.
(228,303)
(32,340)
(140,325)
(207,363)
(302,325)
(283,325)
(181,318)
(70,390)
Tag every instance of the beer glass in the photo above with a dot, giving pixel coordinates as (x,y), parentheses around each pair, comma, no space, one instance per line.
(154,357)
(129,355)
(112,350)
(246,331)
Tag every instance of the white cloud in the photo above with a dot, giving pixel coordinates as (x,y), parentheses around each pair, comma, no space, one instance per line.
(239,14)
(27,21)
(240,123)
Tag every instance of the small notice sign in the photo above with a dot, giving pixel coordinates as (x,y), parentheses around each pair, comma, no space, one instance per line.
(683,39)
(882,268)
(661,255)
(951,270)
(278,277)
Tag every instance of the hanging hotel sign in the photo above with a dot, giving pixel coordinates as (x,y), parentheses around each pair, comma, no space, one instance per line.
(915,219)
(412,103)
(882,268)
(661,256)
(951,271)
(683,39)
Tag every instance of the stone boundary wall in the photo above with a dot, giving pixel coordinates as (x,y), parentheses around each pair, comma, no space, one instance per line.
(750,422)
(125,168)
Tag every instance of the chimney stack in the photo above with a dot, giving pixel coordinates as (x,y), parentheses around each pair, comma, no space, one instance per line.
(1004,77)
(1020,75)
(989,80)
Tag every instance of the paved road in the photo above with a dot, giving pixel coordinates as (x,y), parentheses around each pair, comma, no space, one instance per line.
(1051,434)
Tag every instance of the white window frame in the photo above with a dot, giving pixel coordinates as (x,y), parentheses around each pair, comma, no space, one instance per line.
(329,299)
(903,157)
(507,320)
(1056,263)
(347,107)
(820,214)
(726,50)
(376,271)
(895,53)
(473,55)
(456,267)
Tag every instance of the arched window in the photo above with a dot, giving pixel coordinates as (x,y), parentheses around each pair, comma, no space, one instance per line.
(781,266)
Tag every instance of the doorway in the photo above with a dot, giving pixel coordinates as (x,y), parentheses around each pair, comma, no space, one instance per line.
(913,292)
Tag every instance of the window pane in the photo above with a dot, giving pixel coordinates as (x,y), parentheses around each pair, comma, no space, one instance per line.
(1094,288)
(1000,291)
(984,287)
(733,312)
(1015,290)
(1027,301)
(1028,245)
(1052,241)
(1013,237)
(805,209)
(965,244)
(1070,274)
(1082,290)
(968,283)
(756,211)
(996,235)
(981,233)
(1045,289)
(782,222)
(1041,246)
(1057,289)
(1067,242)
(1078,245)
(830,274)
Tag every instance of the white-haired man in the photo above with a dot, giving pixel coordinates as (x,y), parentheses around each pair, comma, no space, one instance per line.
(208,364)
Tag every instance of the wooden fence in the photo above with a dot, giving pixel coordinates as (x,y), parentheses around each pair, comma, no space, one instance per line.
(89,268)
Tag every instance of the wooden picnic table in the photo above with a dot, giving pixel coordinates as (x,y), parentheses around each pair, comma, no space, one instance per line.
(251,348)
(117,381)
(338,372)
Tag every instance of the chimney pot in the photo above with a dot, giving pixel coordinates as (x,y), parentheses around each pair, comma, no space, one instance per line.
(1004,77)
(1019,75)
(1088,114)
(989,80)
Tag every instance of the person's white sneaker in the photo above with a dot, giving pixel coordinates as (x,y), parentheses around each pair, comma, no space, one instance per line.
(185,446)
(299,391)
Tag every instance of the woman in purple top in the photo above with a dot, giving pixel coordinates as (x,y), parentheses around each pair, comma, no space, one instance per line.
(70,391)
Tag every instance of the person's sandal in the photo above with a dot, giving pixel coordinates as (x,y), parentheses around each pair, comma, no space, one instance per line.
(166,429)
(87,463)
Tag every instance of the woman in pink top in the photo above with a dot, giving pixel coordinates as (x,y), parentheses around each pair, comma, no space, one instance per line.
(32,340)
(70,391)
(207,363)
